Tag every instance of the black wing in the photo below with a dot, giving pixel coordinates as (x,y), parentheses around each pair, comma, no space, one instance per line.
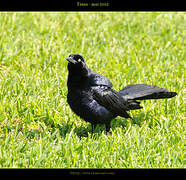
(98,79)
(111,100)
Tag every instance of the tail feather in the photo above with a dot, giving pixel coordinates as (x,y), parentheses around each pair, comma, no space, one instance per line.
(133,104)
(143,91)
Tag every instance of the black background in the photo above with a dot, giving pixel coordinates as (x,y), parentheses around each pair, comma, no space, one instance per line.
(114,5)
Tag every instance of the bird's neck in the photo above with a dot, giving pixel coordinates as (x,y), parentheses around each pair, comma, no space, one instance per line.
(77,76)
(78,70)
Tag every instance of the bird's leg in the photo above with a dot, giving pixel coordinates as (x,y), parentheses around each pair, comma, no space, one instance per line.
(93,127)
(107,128)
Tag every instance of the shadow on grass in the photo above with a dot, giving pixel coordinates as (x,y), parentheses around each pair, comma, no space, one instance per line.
(83,131)
(80,131)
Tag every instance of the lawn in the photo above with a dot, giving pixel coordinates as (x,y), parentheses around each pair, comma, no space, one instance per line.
(37,127)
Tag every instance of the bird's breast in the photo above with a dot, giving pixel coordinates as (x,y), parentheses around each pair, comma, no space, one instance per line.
(83,104)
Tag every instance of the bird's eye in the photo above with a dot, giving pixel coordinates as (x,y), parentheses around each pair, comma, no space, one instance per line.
(79,60)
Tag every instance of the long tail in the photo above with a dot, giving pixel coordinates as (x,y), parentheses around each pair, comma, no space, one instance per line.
(143,91)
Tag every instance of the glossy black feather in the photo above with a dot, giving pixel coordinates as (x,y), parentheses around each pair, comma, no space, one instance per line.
(96,79)
(90,95)
(143,91)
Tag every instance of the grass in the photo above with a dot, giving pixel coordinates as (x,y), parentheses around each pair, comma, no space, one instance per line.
(37,127)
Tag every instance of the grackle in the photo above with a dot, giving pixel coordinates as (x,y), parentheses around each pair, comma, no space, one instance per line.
(91,97)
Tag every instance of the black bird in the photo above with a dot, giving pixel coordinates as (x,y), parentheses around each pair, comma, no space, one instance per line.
(91,97)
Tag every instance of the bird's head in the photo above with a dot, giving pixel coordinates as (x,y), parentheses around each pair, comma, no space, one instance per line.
(77,65)
(75,59)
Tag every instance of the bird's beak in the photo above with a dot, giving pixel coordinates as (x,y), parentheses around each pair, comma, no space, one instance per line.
(69,59)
